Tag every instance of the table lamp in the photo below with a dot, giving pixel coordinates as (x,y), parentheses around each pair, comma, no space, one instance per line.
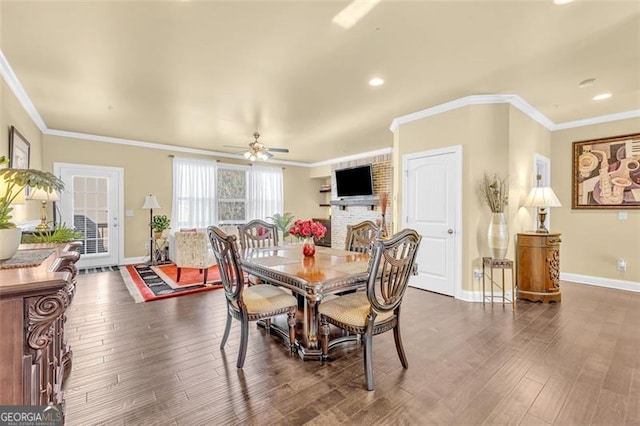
(542,197)
(150,203)
(43,196)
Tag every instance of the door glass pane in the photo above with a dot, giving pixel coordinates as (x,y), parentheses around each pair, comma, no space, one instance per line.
(91,212)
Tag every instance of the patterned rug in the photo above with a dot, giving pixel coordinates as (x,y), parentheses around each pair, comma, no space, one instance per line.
(147,283)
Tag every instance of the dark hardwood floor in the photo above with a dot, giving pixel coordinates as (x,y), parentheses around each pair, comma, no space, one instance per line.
(577,362)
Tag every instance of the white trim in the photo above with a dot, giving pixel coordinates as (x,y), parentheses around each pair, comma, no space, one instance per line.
(14,84)
(121,213)
(601,282)
(134,260)
(597,120)
(159,146)
(457,151)
(516,101)
(348,158)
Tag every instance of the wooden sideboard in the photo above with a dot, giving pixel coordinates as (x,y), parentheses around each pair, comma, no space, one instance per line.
(538,267)
(34,357)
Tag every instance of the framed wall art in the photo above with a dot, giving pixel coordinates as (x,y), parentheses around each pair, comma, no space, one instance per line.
(19,150)
(606,173)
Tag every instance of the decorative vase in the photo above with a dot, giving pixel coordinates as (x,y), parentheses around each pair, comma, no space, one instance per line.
(308,247)
(9,242)
(498,236)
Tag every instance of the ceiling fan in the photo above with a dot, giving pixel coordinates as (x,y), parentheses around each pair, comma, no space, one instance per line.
(258,151)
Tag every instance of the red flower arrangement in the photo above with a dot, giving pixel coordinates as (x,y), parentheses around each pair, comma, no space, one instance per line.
(307,228)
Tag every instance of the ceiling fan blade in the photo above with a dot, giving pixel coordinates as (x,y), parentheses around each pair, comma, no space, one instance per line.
(235,146)
(278,149)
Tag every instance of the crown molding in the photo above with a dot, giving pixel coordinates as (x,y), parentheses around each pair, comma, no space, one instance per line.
(382,151)
(16,87)
(514,100)
(159,146)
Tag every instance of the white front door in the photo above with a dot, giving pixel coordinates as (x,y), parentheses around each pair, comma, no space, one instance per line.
(432,202)
(92,204)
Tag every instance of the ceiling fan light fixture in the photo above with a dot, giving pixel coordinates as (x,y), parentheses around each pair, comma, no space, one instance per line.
(376,81)
(247,155)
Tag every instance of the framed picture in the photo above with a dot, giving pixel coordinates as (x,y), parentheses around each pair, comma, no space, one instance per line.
(606,173)
(19,150)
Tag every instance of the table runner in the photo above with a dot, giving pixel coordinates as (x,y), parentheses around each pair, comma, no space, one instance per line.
(26,258)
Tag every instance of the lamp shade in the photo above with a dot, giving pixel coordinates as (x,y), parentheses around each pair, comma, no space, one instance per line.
(43,195)
(542,196)
(19,199)
(150,202)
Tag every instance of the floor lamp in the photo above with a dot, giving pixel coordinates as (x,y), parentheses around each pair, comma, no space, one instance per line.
(43,196)
(150,203)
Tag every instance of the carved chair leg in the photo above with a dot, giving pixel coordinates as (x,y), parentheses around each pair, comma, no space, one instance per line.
(399,347)
(291,321)
(244,337)
(206,272)
(267,325)
(179,271)
(324,335)
(226,330)
(368,358)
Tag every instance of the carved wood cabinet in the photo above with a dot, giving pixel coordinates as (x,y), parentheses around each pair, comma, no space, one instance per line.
(34,356)
(538,267)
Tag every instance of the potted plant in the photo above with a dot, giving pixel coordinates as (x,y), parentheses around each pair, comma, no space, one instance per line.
(159,223)
(60,234)
(283,222)
(12,185)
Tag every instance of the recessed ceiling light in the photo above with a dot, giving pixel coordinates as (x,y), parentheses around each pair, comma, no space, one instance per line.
(602,96)
(376,81)
(562,1)
(586,83)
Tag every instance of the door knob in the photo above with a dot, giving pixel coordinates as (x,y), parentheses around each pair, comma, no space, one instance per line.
(449,231)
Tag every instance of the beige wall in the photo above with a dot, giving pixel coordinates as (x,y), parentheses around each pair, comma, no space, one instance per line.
(494,138)
(593,240)
(149,171)
(12,114)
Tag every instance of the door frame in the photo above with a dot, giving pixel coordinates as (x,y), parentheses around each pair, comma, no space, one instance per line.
(119,171)
(456,150)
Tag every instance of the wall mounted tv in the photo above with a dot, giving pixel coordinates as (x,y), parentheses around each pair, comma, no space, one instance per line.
(354,182)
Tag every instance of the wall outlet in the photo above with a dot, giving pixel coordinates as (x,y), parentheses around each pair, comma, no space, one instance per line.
(622,265)
(477,274)
(146,246)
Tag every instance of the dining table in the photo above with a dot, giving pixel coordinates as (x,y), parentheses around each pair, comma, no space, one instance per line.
(311,279)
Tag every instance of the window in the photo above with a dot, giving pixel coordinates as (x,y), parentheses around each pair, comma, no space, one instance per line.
(232,195)
(208,193)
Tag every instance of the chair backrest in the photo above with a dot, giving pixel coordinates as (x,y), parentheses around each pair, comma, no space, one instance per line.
(192,250)
(226,253)
(391,265)
(360,237)
(258,233)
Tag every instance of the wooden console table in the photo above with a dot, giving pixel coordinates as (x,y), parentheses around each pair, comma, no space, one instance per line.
(538,265)
(34,357)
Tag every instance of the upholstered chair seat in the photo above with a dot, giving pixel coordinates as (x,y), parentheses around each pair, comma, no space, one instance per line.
(376,310)
(248,303)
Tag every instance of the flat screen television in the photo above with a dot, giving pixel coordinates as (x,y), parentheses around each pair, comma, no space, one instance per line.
(354,182)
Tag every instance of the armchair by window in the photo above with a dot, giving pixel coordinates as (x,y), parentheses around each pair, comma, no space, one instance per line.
(192,250)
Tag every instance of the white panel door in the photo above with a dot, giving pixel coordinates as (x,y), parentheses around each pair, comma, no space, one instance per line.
(431,194)
(92,204)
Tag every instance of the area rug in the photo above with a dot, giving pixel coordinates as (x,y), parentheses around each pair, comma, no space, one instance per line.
(147,283)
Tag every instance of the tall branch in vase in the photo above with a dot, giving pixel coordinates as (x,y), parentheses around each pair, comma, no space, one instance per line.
(384,199)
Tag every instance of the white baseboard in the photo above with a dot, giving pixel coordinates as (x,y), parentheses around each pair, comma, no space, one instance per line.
(601,282)
(135,260)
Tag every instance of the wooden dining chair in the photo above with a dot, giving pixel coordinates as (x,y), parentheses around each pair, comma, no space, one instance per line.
(360,237)
(378,309)
(248,303)
(258,234)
